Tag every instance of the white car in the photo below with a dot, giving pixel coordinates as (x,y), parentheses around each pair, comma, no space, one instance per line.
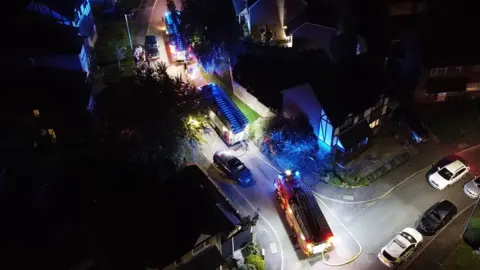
(400,247)
(472,188)
(448,175)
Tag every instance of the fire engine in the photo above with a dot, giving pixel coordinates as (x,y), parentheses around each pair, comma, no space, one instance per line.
(303,214)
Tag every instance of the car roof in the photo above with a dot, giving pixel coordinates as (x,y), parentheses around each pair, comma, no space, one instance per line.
(414,233)
(444,207)
(455,165)
(224,155)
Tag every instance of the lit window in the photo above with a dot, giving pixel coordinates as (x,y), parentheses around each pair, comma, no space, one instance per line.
(433,72)
(458,70)
(375,123)
(51,132)
(36,113)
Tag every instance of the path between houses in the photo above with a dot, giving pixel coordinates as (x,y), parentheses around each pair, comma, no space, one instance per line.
(419,164)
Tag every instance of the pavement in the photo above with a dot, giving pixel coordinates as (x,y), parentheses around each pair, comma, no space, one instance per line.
(419,163)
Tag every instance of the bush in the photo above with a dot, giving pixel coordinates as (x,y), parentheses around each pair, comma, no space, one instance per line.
(255,260)
(472,234)
(248,266)
(258,130)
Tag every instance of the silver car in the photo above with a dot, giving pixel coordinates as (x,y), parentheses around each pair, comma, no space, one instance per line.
(472,188)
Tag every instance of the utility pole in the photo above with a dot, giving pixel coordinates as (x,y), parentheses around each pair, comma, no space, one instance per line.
(128,30)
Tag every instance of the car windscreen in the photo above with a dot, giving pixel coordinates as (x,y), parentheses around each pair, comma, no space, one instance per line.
(477,182)
(388,256)
(235,164)
(445,173)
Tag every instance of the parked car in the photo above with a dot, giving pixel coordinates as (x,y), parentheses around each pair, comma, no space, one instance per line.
(472,188)
(232,166)
(447,175)
(400,247)
(151,47)
(436,217)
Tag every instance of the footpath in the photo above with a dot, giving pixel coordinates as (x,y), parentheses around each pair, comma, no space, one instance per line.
(418,164)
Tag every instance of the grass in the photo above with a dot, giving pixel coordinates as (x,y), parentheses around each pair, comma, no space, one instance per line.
(462,258)
(250,113)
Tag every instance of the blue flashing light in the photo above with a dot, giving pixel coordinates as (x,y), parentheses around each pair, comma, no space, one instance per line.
(280,176)
(297,173)
(415,137)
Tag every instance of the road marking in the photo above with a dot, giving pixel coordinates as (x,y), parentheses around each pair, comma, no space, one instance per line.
(273,248)
(338,220)
(435,236)
(348,197)
(345,228)
(268,223)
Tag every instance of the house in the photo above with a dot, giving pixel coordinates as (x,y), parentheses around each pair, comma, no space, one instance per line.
(262,16)
(76,13)
(199,222)
(47,106)
(345,102)
(57,45)
(451,68)
(312,28)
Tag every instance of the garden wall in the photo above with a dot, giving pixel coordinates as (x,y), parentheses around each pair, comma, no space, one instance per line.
(250,100)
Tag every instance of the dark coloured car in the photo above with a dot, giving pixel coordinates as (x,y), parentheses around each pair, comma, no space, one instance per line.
(436,217)
(417,129)
(233,167)
(151,47)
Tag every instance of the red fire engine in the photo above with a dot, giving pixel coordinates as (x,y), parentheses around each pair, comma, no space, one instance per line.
(303,214)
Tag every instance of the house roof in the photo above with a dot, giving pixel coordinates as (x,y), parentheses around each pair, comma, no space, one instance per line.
(350,86)
(40,36)
(209,259)
(317,17)
(192,205)
(279,69)
(355,135)
(236,242)
(240,5)
(64,7)
(446,85)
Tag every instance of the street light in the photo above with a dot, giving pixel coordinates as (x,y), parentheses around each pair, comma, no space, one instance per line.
(128,30)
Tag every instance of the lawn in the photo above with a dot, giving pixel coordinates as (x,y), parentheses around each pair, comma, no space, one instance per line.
(251,114)
(462,258)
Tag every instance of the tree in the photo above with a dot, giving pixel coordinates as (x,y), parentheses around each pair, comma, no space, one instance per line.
(289,141)
(210,27)
(255,260)
(157,117)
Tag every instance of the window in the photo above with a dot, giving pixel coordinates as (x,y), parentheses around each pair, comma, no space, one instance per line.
(53,137)
(375,123)
(433,72)
(36,113)
(460,172)
(458,70)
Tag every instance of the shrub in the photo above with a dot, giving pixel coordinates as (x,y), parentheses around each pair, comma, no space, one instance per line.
(472,234)
(255,260)
(251,249)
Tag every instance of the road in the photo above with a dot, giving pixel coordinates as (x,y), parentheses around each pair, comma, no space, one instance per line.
(361,229)
(374,224)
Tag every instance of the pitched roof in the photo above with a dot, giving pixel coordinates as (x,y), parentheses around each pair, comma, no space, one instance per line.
(191,203)
(355,135)
(64,7)
(350,86)
(313,16)
(40,36)
(209,259)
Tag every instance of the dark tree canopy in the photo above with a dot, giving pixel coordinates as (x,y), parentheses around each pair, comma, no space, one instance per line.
(156,115)
(209,25)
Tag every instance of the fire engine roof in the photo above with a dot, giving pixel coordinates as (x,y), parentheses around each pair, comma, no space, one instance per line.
(194,210)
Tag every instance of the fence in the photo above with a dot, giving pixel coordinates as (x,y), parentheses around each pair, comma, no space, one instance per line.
(250,100)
